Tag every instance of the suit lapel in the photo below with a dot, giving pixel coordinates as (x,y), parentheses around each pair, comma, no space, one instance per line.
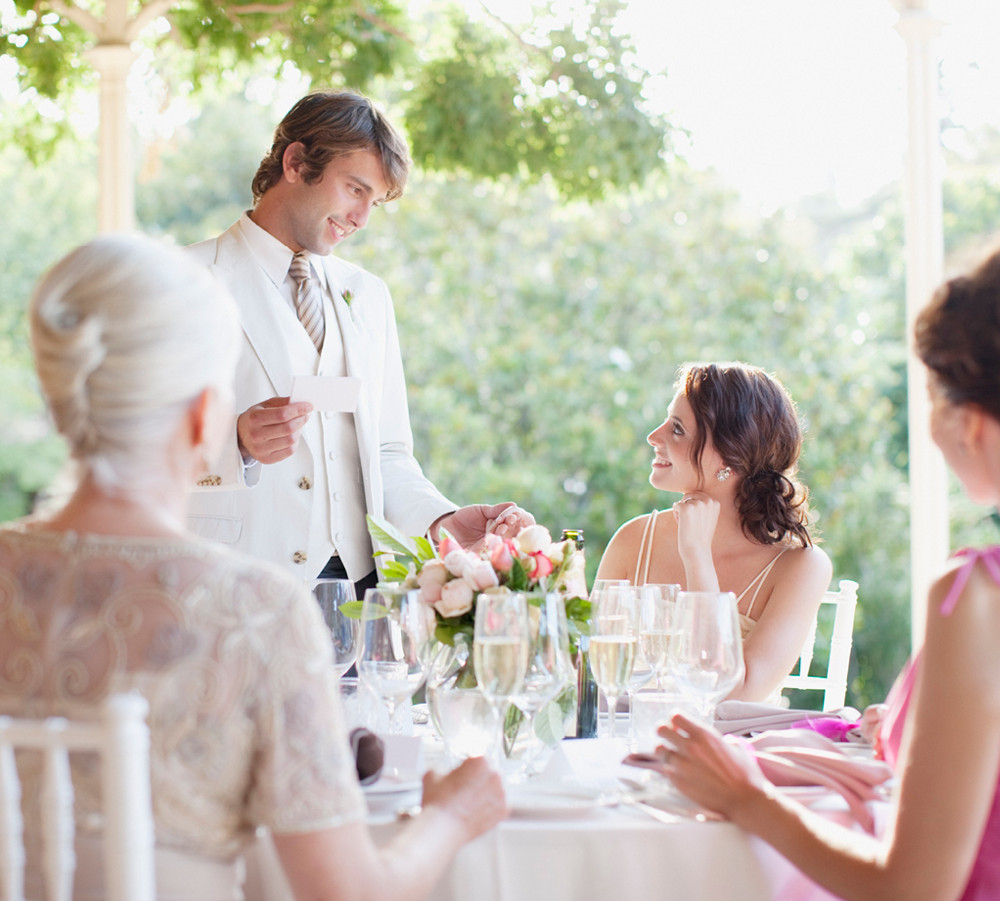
(270,325)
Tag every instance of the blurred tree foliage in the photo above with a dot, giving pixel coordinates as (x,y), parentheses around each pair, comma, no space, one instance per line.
(542,336)
(475,93)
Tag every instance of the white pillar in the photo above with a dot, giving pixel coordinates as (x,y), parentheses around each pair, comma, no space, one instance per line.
(929,536)
(115,179)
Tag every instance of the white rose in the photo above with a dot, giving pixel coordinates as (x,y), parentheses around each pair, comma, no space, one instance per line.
(534,539)
(458,561)
(456,598)
(481,575)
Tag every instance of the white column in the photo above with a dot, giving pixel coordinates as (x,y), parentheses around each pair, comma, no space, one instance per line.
(116,190)
(929,537)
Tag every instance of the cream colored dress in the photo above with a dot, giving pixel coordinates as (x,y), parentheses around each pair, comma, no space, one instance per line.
(234,660)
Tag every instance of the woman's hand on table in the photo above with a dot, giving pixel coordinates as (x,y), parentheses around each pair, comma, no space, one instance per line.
(472,793)
(871,722)
(712,771)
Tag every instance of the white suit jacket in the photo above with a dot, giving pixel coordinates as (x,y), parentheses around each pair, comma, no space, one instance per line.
(266,510)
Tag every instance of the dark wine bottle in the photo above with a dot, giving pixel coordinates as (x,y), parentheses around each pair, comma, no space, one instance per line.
(586,687)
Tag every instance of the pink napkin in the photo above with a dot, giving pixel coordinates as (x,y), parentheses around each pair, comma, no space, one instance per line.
(749,717)
(804,757)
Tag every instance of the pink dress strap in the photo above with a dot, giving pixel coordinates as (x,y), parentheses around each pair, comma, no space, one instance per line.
(991,560)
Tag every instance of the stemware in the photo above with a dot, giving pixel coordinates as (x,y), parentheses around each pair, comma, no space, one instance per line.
(395,638)
(706,652)
(500,653)
(345,631)
(657,615)
(613,643)
(548,667)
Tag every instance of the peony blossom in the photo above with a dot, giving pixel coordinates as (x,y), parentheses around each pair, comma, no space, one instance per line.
(534,539)
(481,575)
(456,598)
(540,567)
(431,579)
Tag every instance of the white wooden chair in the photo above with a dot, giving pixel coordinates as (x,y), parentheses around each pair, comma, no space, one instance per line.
(834,683)
(121,739)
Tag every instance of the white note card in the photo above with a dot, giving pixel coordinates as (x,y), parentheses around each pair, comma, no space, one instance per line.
(336,394)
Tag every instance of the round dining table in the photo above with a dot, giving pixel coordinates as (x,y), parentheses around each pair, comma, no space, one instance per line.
(581,831)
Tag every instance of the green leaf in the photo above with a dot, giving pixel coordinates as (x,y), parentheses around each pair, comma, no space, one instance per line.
(549,724)
(394,571)
(386,533)
(352,609)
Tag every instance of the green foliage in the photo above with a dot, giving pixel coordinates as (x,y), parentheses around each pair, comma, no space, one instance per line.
(562,103)
(557,102)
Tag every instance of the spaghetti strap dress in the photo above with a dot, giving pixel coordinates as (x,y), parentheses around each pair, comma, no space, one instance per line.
(984,880)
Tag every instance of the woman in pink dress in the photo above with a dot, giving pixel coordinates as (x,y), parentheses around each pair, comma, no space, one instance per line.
(941,731)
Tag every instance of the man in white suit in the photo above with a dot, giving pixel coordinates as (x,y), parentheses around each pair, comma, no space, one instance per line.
(294,485)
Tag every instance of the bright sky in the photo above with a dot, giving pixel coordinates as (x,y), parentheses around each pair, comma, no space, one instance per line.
(790,97)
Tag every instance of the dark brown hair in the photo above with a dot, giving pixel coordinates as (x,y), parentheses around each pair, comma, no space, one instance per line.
(957,336)
(331,125)
(752,423)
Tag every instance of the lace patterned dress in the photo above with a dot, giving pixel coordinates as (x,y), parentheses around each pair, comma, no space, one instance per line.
(984,880)
(234,660)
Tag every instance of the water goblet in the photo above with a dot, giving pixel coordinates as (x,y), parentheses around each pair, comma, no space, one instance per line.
(657,615)
(500,653)
(706,652)
(345,631)
(548,668)
(613,639)
(395,639)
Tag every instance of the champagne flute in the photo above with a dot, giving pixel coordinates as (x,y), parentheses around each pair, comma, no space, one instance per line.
(657,615)
(345,631)
(500,653)
(548,669)
(613,644)
(706,652)
(395,643)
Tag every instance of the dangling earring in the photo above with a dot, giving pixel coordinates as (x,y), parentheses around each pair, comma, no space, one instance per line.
(723,473)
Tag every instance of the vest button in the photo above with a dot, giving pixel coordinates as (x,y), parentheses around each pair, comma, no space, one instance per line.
(300,557)
(305,484)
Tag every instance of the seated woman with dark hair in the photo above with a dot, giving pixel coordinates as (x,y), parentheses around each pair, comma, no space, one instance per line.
(730,445)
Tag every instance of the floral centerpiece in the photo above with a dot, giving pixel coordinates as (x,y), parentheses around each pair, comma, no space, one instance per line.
(450,578)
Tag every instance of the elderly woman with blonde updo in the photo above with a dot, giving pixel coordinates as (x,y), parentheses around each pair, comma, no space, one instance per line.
(730,446)
(135,347)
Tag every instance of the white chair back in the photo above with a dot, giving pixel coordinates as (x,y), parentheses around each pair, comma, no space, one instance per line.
(834,683)
(121,739)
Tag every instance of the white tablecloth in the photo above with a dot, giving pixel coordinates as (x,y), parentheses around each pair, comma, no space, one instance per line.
(596,853)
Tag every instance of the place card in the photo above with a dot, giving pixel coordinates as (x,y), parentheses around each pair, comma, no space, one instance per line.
(327,393)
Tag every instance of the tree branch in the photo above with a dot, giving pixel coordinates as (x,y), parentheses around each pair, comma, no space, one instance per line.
(247,9)
(78,16)
(381,24)
(147,12)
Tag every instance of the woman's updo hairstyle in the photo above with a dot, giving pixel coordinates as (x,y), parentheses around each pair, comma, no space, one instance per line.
(958,337)
(126,332)
(751,421)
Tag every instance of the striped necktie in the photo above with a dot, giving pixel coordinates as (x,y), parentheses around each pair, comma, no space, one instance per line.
(308,298)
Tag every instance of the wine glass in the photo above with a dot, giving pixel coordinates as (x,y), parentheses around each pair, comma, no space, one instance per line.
(395,642)
(548,668)
(500,653)
(706,652)
(657,615)
(345,631)
(613,628)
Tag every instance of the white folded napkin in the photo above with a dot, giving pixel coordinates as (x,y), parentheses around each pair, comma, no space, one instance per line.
(749,717)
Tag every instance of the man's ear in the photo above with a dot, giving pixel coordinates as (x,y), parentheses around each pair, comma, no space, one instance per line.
(292,161)
(199,411)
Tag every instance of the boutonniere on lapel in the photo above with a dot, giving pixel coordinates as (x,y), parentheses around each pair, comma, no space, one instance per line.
(348,296)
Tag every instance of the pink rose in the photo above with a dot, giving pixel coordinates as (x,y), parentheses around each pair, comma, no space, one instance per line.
(534,539)
(541,566)
(481,575)
(431,580)
(456,598)
(446,545)
(501,553)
